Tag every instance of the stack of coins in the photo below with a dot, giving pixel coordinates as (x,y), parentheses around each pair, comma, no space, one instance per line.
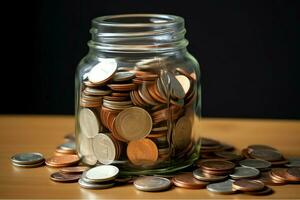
(28,159)
(216,167)
(140,110)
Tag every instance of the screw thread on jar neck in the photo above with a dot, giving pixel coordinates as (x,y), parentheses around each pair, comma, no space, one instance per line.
(138,33)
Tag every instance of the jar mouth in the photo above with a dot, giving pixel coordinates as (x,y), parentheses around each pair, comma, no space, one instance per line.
(138,20)
(138,32)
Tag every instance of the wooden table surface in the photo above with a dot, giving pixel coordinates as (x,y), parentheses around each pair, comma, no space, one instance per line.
(44,133)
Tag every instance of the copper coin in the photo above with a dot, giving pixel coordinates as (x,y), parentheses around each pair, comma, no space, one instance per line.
(209,142)
(260,147)
(279,174)
(248,185)
(187,180)
(217,165)
(293,174)
(265,191)
(77,169)
(62,161)
(142,152)
(266,154)
(63,177)
(266,178)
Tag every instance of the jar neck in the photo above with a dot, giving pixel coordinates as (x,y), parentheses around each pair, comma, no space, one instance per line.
(138,33)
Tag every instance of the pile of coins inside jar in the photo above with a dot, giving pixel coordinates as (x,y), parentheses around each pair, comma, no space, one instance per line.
(135,114)
(219,170)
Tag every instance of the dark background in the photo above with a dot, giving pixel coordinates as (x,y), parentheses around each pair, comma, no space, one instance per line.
(248,51)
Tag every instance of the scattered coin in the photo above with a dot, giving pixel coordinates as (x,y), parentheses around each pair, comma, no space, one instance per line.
(198,174)
(102,173)
(244,172)
(88,185)
(217,165)
(67,148)
(63,177)
(247,185)
(152,183)
(266,154)
(27,158)
(229,156)
(222,187)
(62,161)
(293,174)
(265,191)
(76,169)
(260,147)
(255,163)
(267,179)
(293,162)
(187,180)
(29,165)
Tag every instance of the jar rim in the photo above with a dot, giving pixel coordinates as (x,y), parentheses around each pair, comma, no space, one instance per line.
(151,20)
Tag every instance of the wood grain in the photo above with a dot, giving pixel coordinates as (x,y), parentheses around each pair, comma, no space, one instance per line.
(44,133)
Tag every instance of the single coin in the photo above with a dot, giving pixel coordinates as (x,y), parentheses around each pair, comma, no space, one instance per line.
(217,165)
(228,156)
(185,83)
(265,191)
(133,123)
(87,185)
(293,174)
(260,147)
(293,162)
(152,183)
(27,158)
(102,173)
(172,85)
(187,180)
(77,169)
(181,136)
(29,165)
(267,179)
(94,92)
(248,185)
(255,163)
(198,174)
(266,154)
(68,148)
(88,122)
(142,152)
(63,177)
(123,76)
(103,71)
(244,172)
(62,161)
(279,174)
(222,187)
(104,148)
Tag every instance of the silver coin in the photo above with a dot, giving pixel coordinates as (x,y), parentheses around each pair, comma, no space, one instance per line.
(87,185)
(102,173)
(123,76)
(88,122)
(244,172)
(293,162)
(222,187)
(152,183)
(200,176)
(27,158)
(86,150)
(29,165)
(68,146)
(255,163)
(103,71)
(104,148)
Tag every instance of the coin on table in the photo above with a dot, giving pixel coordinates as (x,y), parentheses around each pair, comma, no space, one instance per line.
(123,76)
(279,174)
(248,185)
(181,136)
(63,177)
(76,169)
(142,152)
(266,178)
(185,83)
(266,154)
(133,123)
(255,163)
(187,180)
(88,185)
(293,174)
(265,191)
(29,165)
(216,165)
(27,158)
(198,174)
(293,162)
(102,173)
(244,172)
(103,71)
(67,148)
(260,147)
(104,148)
(222,187)
(62,161)
(152,183)
(88,122)
(228,156)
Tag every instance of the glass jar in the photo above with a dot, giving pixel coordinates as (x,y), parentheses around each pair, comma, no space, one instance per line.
(137,95)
